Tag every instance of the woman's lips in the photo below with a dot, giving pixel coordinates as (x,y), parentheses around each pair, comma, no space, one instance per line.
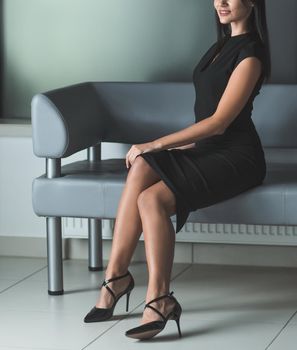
(224,13)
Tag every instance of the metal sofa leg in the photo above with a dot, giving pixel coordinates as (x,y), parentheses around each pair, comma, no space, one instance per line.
(95,245)
(54,255)
(95,225)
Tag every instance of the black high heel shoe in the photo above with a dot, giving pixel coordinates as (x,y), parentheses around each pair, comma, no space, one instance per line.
(150,329)
(102,314)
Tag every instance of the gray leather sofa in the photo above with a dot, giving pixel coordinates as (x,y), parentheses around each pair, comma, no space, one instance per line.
(81,116)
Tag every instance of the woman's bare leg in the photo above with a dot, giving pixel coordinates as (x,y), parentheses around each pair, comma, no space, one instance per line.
(156,204)
(128,228)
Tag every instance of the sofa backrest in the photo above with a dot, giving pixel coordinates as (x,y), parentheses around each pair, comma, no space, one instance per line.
(155,109)
(75,117)
(275,115)
(138,112)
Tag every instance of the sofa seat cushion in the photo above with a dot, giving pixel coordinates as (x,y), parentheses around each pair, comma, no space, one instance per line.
(85,189)
(93,190)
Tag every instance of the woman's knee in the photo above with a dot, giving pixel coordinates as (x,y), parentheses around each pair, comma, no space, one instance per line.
(154,198)
(140,169)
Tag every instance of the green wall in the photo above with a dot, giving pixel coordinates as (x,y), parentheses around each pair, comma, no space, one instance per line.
(53,43)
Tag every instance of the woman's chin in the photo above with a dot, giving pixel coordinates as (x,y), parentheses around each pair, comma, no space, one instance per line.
(224,21)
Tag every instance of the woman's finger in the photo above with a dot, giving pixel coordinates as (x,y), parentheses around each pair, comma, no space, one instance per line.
(135,158)
(127,161)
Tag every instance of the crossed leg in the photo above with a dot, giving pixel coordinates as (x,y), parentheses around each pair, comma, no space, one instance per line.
(156,204)
(146,205)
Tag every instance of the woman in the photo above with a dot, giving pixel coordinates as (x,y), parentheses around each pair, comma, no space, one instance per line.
(214,159)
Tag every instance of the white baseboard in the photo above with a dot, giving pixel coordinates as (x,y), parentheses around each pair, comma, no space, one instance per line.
(200,253)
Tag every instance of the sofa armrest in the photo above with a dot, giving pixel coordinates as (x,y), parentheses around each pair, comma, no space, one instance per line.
(66,120)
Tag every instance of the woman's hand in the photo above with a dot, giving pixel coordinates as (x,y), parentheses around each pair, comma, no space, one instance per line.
(137,149)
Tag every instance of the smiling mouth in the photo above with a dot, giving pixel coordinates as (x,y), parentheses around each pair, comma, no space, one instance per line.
(224,13)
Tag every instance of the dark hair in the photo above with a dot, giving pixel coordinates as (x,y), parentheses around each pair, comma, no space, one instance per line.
(256,22)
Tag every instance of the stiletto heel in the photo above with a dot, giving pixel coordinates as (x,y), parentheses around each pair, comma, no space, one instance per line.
(150,329)
(178,326)
(102,314)
(127,301)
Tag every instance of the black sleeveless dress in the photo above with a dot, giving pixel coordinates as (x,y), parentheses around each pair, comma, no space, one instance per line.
(220,166)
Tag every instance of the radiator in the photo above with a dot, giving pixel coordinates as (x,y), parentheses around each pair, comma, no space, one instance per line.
(201,232)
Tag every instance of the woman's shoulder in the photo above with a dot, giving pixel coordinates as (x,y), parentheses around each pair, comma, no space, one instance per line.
(253,47)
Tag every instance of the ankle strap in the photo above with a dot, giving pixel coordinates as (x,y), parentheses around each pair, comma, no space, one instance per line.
(106,281)
(115,278)
(158,298)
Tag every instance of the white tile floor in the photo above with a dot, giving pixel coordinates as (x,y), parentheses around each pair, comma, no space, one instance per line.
(224,307)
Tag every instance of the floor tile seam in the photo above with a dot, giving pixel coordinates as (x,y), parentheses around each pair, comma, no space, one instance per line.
(281,330)
(9,279)
(23,279)
(181,272)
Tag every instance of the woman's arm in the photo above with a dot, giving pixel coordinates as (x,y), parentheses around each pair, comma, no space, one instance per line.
(239,88)
(191,145)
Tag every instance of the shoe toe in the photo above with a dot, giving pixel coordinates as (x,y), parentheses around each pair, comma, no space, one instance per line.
(97,315)
(147,327)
